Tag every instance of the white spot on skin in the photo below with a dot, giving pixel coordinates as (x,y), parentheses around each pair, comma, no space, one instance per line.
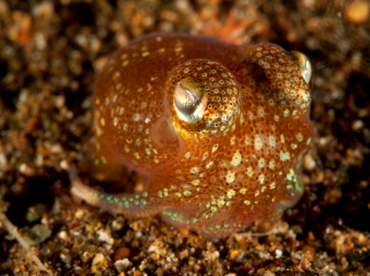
(215,147)
(194,170)
(195,182)
(282,138)
(230,193)
(290,175)
(237,159)
(232,141)
(261,178)
(209,165)
(272,141)
(284,156)
(205,155)
(137,117)
(220,202)
(272,164)
(137,142)
(299,137)
(243,191)
(261,163)
(261,111)
(249,171)
(230,176)
(118,86)
(258,143)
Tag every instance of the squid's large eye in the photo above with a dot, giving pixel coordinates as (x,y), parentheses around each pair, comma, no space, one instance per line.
(305,65)
(189,100)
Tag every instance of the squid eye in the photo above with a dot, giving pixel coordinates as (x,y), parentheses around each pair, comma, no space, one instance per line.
(189,100)
(305,65)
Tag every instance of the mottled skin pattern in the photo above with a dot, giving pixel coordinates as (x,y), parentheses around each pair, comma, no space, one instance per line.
(238,164)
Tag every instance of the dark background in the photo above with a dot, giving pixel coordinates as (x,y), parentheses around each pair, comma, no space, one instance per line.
(50,52)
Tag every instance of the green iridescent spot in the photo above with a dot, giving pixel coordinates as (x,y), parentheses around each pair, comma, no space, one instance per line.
(103,160)
(299,187)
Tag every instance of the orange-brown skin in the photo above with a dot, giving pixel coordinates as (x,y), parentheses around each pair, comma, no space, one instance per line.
(239,163)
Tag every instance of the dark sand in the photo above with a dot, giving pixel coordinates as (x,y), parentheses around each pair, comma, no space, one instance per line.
(50,52)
